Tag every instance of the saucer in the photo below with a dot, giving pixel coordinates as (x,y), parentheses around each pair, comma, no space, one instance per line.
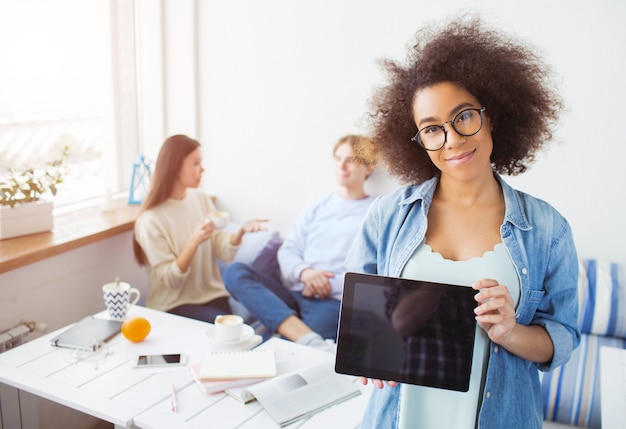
(246,332)
(248,344)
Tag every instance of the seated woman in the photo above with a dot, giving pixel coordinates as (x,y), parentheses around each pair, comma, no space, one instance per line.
(176,242)
(312,257)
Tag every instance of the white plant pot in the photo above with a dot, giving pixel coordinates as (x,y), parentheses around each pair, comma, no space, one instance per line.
(25,219)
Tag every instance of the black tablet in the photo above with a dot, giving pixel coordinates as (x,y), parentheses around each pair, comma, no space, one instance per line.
(406,330)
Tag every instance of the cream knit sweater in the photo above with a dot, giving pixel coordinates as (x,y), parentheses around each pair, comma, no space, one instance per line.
(162,233)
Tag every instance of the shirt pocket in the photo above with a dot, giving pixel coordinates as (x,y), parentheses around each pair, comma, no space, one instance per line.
(529,303)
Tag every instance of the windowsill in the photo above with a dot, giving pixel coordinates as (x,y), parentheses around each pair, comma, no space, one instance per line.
(71,231)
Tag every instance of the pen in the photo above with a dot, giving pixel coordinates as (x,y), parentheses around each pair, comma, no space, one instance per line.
(197,380)
(173,399)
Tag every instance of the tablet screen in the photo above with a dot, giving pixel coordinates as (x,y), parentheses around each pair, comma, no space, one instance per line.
(406,330)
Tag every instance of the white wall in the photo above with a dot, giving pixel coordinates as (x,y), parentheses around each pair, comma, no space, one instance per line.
(282,80)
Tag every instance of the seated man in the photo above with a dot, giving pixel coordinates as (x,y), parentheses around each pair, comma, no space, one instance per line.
(312,257)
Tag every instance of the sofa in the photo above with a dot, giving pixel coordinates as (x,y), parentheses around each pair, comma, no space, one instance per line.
(571,393)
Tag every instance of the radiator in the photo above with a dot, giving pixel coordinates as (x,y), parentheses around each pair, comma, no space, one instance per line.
(17,335)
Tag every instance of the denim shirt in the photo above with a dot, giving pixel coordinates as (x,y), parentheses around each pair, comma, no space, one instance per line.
(541,246)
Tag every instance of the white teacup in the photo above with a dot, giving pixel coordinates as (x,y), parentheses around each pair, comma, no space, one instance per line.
(219,219)
(117,297)
(228,327)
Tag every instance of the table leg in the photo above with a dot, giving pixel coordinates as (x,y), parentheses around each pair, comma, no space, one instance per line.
(18,409)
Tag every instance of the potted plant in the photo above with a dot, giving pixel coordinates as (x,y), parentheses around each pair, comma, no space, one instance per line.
(22,209)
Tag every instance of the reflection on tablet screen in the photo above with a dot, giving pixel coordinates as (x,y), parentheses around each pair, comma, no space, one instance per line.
(406,330)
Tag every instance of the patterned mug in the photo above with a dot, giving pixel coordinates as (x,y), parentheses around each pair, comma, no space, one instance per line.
(117,297)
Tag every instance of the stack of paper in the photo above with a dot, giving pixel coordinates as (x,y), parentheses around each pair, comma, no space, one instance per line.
(293,396)
(306,383)
(256,363)
(290,358)
(214,386)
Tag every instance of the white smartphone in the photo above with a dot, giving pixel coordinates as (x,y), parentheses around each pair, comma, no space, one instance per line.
(151,361)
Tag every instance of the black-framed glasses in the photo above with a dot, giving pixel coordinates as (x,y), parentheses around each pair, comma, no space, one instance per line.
(466,123)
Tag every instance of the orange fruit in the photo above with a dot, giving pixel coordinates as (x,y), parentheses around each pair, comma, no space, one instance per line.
(136,329)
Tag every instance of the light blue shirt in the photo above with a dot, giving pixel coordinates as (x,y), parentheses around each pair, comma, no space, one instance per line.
(541,246)
(321,239)
(423,406)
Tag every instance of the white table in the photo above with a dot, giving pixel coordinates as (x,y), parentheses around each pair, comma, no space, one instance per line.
(613,387)
(107,387)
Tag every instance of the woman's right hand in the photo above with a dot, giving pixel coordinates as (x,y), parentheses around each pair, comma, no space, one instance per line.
(378,383)
(203,232)
(199,235)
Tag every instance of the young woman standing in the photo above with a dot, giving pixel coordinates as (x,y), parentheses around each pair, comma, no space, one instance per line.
(472,104)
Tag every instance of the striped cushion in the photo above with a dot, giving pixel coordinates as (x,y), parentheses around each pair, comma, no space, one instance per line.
(601,300)
(571,393)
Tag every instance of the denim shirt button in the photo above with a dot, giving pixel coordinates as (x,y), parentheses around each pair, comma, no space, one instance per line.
(488,395)
(524,271)
(495,349)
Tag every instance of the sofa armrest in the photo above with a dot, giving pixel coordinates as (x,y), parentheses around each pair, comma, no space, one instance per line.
(571,393)
(601,298)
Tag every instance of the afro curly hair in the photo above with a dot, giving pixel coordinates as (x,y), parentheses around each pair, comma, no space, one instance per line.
(507,77)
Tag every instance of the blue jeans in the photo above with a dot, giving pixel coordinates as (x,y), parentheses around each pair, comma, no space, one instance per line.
(271,302)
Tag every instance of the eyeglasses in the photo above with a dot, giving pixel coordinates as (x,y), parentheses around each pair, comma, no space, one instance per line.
(466,123)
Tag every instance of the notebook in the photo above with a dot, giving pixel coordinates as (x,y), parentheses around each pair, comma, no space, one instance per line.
(256,363)
(87,334)
(214,386)
(291,358)
(405,330)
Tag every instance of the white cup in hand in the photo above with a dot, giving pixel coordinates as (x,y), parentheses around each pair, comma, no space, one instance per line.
(228,327)
(219,219)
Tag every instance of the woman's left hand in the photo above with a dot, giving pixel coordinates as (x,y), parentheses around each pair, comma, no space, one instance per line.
(496,315)
(255,225)
(495,312)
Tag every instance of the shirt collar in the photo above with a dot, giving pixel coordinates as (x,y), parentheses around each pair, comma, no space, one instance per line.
(514,208)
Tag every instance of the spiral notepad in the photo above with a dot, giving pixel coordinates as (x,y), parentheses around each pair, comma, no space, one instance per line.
(87,334)
(234,365)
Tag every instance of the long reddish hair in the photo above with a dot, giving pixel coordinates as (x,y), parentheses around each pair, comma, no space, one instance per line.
(168,164)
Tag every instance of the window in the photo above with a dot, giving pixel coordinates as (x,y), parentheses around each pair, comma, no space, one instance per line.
(67,72)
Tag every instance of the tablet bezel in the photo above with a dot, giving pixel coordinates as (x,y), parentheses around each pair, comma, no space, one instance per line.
(351,362)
